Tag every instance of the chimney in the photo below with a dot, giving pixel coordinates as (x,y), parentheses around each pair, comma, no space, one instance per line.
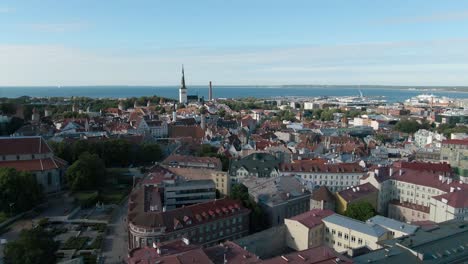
(210,93)
(400,172)
(452,189)
(391,171)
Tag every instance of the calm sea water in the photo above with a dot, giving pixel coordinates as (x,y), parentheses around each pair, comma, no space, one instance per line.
(390,94)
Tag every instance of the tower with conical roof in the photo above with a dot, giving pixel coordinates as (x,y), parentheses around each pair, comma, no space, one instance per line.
(183,89)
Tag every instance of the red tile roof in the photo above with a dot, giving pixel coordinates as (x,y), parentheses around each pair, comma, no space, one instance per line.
(307,166)
(455,141)
(197,213)
(23,145)
(357,192)
(426,178)
(313,217)
(186,131)
(424,166)
(34,165)
(175,159)
(141,255)
(323,194)
(456,199)
(157,175)
(317,255)
(233,253)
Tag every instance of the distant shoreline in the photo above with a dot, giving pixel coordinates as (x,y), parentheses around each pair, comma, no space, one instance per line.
(462,89)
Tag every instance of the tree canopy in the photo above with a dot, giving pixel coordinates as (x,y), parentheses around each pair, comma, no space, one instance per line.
(87,173)
(360,211)
(33,246)
(19,191)
(448,129)
(411,126)
(257,216)
(115,152)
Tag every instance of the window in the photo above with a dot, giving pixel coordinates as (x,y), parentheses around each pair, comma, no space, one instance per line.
(333,231)
(340,234)
(359,241)
(353,238)
(346,237)
(339,244)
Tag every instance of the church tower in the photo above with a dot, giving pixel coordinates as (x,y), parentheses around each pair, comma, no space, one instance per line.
(183,89)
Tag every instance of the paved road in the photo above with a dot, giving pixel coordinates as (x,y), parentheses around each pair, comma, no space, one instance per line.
(115,245)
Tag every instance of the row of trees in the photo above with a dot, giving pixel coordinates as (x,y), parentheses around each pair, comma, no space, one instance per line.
(115,152)
(248,103)
(19,191)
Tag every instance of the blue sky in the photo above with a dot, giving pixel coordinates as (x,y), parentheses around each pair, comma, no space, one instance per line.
(91,42)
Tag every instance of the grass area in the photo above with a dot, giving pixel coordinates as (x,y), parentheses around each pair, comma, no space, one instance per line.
(97,243)
(75,243)
(86,199)
(118,185)
(3,217)
(97,227)
(89,258)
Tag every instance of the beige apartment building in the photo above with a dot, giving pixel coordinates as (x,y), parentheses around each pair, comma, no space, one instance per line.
(343,233)
(306,230)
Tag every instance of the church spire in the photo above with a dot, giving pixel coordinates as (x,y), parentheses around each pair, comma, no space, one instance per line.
(182,86)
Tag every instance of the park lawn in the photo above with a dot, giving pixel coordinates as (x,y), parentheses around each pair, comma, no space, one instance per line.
(88,258)
(86,198)
(75,243)
(113,194)
(97,243)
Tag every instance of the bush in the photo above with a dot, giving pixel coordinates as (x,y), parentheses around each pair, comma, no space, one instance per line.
(97,243)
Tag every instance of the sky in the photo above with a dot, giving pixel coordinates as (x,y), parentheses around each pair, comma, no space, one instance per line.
(242,42)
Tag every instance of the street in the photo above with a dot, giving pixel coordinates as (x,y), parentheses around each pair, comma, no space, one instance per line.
(115,244)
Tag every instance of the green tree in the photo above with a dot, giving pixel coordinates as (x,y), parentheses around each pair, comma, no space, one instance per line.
(33,246)
(87,173)
(407,126)
(19,191)
(360,211)
(257,216)
(151,152)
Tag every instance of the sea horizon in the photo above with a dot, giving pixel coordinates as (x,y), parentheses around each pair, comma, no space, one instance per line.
(234,91)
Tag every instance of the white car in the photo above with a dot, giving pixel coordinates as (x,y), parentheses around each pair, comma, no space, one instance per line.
(3,241)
